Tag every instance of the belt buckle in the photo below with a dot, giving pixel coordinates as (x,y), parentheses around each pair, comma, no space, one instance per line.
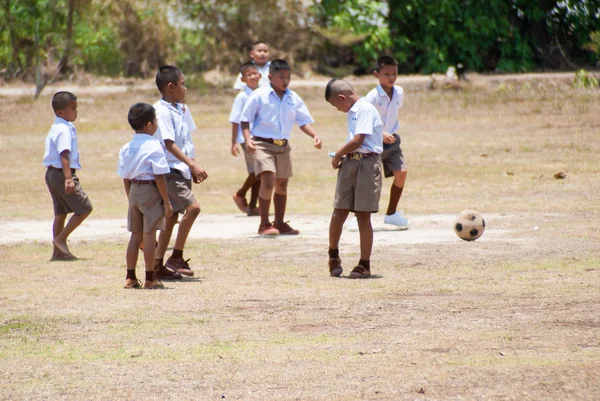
(279,142)
(356,156)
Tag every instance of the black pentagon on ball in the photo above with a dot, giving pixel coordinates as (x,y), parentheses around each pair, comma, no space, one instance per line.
(483,222)
(472,217)
(458,227)
(473,232)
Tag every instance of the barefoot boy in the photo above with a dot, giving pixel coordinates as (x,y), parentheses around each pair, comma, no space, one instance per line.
(273,111)
(358,185)
(260,57)
(173,132)
(143,166)
(250,77)
(62,161)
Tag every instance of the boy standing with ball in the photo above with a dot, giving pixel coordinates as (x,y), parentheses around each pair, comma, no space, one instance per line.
(388,99)
(358,185)
(143,166)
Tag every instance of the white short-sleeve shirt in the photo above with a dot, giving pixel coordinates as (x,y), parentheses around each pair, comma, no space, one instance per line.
(262,83)
(62,136)
(172,126)
(363,118)
(273,117)
(142,158)
(388,108)
(236,111)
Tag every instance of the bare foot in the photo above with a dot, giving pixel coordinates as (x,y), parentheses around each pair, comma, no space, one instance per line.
(62,246)
(61,256)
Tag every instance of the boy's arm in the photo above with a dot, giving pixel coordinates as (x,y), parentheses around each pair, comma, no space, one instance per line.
(349,147)
(197,172)
(66,167)
(310,131)
(234,131)
(246,132)
(161,184)
(127,185)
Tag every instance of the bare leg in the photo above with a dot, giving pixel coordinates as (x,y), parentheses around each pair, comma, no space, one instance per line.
(185,225)
(61,239)
(133,250)
(57,227)
(165,236)
(366,234)
(267,184)
(336,226)
(149,249)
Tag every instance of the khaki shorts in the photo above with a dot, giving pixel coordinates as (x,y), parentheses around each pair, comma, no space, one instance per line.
(392,158)
(270,157)
(358,187)
(146,211)
(249,159)
(77,202)
(180,191)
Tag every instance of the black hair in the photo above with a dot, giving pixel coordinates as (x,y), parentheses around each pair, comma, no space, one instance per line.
(385,60)
(248,66)
(140,114)
(279,65)
(328,88)
(61,100)
(167,74)
(259,42)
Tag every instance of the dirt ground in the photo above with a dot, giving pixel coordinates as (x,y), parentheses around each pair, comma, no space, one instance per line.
(511,316)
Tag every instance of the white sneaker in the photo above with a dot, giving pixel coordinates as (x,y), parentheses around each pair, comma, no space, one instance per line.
(353,225)
(396,219)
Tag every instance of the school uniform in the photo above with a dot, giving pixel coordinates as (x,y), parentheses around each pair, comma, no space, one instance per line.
(173,126)
(235,118)
(272,120)
(358,186)
(140,160)
(262,83)
(391,157)
(63,136)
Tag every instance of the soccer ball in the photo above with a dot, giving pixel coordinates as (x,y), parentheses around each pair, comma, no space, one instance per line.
(469,225)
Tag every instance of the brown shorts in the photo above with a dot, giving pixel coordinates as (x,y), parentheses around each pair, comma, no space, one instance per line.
(270,157)
(77,202)
(146,211)
(392,158)
(249,159)
(358,187)
(180,191)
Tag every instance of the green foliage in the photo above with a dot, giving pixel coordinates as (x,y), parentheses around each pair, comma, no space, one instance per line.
(594,45)
(583,79)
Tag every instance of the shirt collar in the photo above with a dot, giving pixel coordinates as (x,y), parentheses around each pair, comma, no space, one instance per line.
(60,120)
(381,91)
(169,105)
(287,91)
(356,105)
(141,136)
(248,90)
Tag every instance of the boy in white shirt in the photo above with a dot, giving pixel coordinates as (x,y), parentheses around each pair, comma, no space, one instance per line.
(250,77)
(388,99)
(143,166)
(260,57)
(272,111)
(358,185)
(61,159)
(174,134)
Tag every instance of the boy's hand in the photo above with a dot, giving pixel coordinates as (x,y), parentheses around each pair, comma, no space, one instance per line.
(318,143)
(250,146)
(388,138)
(336,162)
(69,186)
(168,209)
(198,174)
(235,149)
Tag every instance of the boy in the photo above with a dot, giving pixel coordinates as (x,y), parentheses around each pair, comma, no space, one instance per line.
(260,57)
(61,159)
(358,185)
(388,100)
(273,111)
(143,166)
(250,77)
(174,135)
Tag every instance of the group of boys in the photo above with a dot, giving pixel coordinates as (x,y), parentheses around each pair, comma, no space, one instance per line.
(158,165)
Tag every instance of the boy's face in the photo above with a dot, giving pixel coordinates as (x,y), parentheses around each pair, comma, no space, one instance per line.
(251,77)
(280,80)
(69,113)
(178,90)
(340,102)
(387,75)
(260,54)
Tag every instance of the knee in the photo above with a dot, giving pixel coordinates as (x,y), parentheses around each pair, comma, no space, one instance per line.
(267,182)
(281,186)
(193,210)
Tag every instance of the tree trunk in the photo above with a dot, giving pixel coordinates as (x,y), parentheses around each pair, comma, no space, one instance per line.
(64,66)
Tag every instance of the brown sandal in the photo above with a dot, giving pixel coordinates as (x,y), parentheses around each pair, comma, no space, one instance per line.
(131,284)
(360,272)
(335,267)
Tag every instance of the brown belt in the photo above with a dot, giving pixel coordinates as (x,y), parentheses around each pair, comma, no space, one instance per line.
(278,142)
(60,169)
(359,155)
(144,182)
